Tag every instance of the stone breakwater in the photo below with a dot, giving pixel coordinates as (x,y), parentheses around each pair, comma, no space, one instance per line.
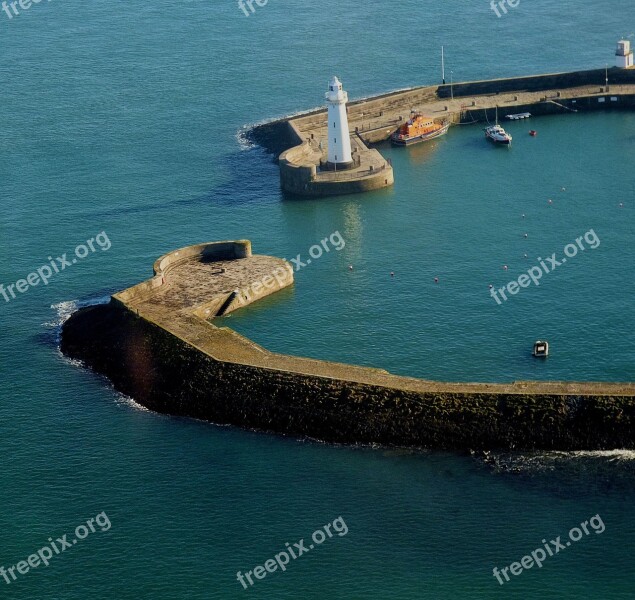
(156,343)
(301,140)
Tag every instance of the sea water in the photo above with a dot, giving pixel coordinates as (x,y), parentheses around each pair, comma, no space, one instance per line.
(130,119)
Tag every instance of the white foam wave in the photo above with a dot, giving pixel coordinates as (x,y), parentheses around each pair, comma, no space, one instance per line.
(604,454)
(66,309)
(292,115)
(128,402)
(558,461)
(242,137)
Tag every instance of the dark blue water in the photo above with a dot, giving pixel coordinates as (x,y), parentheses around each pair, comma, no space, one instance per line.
(126,118)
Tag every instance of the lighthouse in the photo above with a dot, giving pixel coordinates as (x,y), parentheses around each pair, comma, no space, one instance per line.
(339,141)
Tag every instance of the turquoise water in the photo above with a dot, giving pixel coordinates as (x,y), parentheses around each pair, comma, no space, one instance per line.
(456,214)
(127,118)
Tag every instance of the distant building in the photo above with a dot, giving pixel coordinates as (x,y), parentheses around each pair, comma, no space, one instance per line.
(624,55)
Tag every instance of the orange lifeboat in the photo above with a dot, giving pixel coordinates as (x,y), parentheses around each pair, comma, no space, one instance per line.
(419,128)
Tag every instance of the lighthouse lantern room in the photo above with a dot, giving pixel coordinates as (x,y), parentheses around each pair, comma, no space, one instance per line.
(339,141)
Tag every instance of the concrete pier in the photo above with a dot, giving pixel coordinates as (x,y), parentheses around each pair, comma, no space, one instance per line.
(157,343)
(303,168)
(207,281)
(373,120)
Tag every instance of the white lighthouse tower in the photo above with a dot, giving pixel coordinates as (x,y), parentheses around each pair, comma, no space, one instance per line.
(339,141)
(624,54)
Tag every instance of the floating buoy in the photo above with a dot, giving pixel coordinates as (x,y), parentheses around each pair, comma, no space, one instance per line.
(525,255)
(392,273)
(350,267)
(436,280)
(526,235)
(564,189)
(533,133)
(505,267)
(621,204)
(523,215)
(550,201)
(490,286)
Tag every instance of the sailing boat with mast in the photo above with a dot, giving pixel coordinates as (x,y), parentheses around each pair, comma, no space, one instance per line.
(497,134)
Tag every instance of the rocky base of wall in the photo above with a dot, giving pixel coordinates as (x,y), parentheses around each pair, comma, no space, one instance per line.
(168,375)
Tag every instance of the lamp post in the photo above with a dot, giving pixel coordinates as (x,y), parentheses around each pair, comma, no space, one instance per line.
(442,65)
(451,84)
(606,79)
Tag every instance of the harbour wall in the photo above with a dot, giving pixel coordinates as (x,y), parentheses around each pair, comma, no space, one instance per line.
(553,106)
(180,379)
(298,176)
(282,134)
(299,169)
(539,83)
(177,362)
(216,251)
(375,118)
(300,141)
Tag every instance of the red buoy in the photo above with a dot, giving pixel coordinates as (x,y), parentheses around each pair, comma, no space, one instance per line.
(533,133)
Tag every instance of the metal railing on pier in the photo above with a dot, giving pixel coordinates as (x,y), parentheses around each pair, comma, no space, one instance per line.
(348,175)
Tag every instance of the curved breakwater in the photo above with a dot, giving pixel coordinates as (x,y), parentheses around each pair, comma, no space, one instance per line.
(156,343)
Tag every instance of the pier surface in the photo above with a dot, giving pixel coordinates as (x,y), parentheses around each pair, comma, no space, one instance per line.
(302,139)
(157,344)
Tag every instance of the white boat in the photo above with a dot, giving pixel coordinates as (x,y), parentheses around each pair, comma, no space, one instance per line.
(541,349)
(497,134)
(518,116)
